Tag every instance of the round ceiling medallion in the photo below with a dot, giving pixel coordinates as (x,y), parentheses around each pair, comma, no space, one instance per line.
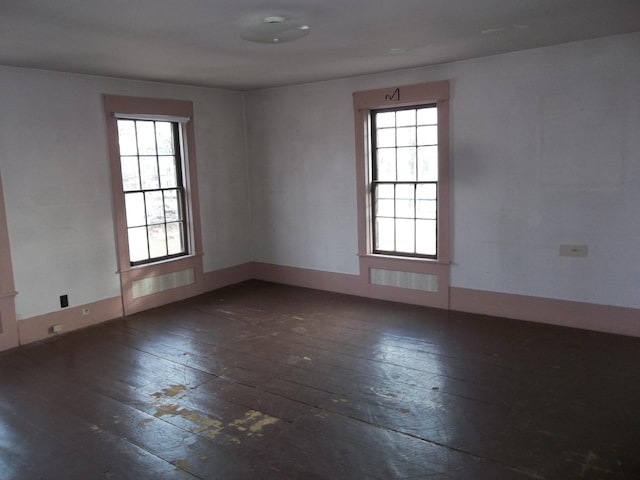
(274,29)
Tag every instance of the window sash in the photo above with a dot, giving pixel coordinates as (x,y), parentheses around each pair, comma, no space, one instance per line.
(143,251)
(418,216)
(409,223)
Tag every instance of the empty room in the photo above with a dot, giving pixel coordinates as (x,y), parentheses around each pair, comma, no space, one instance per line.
(320,240)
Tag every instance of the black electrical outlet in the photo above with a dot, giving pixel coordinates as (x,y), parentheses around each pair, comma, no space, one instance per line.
(64,301)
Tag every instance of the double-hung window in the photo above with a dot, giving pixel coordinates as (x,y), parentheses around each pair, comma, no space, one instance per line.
(153,187)
(404,181)
(403,172)
(154,182)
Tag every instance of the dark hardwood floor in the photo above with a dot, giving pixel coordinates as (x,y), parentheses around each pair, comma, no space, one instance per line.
(263,381)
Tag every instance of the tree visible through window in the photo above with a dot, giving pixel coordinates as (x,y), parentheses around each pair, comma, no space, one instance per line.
(404,180)
(153,187)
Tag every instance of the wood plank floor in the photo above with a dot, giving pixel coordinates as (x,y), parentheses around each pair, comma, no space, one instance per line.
(264,381)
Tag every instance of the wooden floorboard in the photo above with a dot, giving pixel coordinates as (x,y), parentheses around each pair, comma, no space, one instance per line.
(267,381)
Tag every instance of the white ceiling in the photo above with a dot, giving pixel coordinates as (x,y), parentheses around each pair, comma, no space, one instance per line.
(198,42)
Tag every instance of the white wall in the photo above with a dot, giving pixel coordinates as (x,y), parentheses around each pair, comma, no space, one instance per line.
(545,151)
(55,171)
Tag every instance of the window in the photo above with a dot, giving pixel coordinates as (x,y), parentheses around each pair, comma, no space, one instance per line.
(404,180)
(403,171)
(152,183)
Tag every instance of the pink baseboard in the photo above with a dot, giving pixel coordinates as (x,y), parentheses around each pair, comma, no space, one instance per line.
(227,276)
(8,326)
(357,285)
(38,328)
(603,318)
(303,277)
(588,316)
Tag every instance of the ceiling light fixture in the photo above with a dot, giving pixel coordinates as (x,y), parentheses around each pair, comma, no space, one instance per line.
(274,29)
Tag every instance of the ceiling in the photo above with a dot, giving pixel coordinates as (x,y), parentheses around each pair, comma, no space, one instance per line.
(198,42)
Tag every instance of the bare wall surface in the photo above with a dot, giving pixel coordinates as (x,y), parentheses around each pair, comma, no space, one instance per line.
(544,145)
(544,153)
(55,170)
(301,153)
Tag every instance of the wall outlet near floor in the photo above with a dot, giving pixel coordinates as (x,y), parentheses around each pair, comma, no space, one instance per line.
(86,311)
(574,250)
(57,328)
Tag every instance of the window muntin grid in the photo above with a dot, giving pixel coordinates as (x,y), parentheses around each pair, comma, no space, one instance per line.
(404,184)
(152,182)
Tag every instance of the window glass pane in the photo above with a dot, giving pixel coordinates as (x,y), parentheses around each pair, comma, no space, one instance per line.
(164,137)
(384,234)
(155,207)
(405,201)
(138,250)
(386,164)
(385,204)
(175,239)
(407,164)
(426,209)
(385,191)
(386,137)
(428,135)
(385,119)
(168,173)
(406,136)
(134,208)
(428,116)
(427,191)
(426,237)
(146,138)
(172,206)
(127,137)
(405,235)
(404,173)
(151,179)
(405,118)
(149,172)
(130,175)
(157,241)
(428,164)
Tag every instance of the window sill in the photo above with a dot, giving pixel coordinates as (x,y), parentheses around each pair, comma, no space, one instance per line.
(162,263)
(399,258)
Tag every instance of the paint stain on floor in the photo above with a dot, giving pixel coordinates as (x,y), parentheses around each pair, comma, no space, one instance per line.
(253,422)
(200,423)
(170,391)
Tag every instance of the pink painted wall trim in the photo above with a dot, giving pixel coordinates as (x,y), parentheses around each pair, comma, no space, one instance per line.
(308,278)
(589,316)
(128,277)
(8,326)
(602,318)
(115,104)
(39,328)
(227,276)
(363,103)
(439,299)
(357,285)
